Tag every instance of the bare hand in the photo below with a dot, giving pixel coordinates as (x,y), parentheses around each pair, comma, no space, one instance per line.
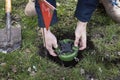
(50,41)
(80,35)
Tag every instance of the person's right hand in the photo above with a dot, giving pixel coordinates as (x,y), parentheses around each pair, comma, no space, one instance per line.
(50,41)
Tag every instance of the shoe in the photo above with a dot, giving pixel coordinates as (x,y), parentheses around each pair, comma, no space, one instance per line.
(112,8)
(30,8)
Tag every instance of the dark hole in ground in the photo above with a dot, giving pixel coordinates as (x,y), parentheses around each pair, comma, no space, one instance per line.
(44,53)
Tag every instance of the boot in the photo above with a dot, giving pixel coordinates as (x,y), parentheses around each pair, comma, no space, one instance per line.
(30,8)
(112,8)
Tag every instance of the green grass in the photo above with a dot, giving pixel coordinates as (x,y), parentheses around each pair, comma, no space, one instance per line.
(98,60)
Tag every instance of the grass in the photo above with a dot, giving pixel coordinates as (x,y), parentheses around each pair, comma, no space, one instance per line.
(100,60)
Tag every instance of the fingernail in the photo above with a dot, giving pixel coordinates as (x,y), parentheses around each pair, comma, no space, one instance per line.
(56,46)
(75,44)
(82,48)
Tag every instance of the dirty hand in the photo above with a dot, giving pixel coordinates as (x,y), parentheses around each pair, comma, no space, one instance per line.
(80,35)
(50,41)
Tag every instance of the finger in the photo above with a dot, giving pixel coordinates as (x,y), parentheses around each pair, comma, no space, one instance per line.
(83,43)
(51,51)
(82,47)
(55,45)
(76,42)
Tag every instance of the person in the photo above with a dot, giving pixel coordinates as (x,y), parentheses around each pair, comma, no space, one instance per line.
(83,13)
(112,8)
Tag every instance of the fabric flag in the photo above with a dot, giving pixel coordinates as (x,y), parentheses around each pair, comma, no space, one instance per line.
(47,12)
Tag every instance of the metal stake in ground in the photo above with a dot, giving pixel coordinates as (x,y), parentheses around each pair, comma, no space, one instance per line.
(44,41)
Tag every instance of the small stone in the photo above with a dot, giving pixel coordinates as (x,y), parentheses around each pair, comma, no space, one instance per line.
(14,68)
(29,69)
(32,73)
(34,67)
(119,53)
(82,71)
(75,0)
(100,69)
(58,4)
(3,64)
(92,79)
(27,50)
(9,79)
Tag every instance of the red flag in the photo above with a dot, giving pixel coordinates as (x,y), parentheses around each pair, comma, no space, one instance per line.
(47,12)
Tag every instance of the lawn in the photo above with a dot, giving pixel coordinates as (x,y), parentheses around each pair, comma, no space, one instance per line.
(100,61)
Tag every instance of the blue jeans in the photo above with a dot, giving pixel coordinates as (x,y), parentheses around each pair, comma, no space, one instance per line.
(83,12)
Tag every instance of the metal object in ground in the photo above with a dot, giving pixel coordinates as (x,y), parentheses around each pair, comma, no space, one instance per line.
(66,51)
(10,36)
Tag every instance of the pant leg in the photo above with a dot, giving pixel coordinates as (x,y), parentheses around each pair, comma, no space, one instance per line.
(40,18)
(85,9)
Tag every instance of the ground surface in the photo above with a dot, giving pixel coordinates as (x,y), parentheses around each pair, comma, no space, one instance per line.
(99,61)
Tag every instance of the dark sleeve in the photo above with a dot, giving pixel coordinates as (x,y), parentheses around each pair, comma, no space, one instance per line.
(85,8)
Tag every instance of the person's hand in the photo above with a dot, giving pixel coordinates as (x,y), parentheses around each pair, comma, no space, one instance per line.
(80,35)
(50,41)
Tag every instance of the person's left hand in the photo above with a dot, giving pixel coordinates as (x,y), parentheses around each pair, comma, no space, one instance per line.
(80,35)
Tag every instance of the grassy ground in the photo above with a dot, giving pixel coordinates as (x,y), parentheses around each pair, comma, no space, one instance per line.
(99,61)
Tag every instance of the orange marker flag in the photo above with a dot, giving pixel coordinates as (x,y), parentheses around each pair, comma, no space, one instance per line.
(47,12)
